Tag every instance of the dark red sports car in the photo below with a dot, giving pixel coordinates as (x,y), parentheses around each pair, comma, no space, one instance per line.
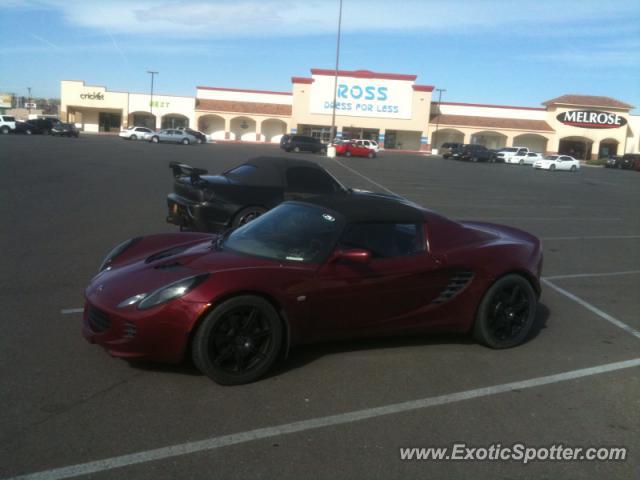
(330,267)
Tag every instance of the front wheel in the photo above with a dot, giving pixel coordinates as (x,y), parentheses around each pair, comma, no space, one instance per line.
(185,141)
(521,162)
(506,313)
(133,137)
(552,168)
(574,168)
(296,149)
(4,130)
(238,341)
(28,132)
(474,159)
(155,139)
(371,154)
(347,153)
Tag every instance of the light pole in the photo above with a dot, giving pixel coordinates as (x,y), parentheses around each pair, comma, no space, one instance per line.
(435,133)
(153,74)
(29,104)
(335,80)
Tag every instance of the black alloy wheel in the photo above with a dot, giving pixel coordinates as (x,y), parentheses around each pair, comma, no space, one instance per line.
(506,313)
(246,215)
(238,341)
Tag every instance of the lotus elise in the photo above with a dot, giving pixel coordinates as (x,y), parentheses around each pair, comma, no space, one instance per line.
(330,267)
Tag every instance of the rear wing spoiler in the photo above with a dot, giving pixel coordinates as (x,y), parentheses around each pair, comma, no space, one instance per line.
(182,169)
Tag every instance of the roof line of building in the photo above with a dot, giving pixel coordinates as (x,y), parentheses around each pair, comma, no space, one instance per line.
(485,105)
(364,74)
(246,90)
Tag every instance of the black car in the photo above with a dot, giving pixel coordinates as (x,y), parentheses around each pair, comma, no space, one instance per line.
(447,149)
(625,161)
(213,203)
(302,143)
(28,128)
(473,152)
(65,130)
(201,137)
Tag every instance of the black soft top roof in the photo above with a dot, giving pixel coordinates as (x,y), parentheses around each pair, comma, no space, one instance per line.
(268,171)
(359,207)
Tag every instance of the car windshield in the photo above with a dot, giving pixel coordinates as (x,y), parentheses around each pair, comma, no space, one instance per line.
(292,231)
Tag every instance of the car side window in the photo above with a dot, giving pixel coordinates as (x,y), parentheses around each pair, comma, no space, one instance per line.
(384,240)
(312,180)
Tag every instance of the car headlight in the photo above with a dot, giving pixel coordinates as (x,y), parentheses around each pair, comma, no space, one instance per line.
(169,292)
(106,263)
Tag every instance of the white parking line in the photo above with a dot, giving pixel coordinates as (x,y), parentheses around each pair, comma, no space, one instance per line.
(594,237)
(583,275)
(214,443)
(67,311)
(596,310)
(599,219)
(365,177)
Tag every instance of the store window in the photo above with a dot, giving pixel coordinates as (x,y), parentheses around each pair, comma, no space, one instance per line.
(109,122)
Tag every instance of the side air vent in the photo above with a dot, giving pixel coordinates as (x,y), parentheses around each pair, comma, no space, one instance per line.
(98,320)
(459,280)
(165,254)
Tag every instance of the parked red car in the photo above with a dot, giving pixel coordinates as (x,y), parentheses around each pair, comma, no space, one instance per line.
(330,267)
(351,149)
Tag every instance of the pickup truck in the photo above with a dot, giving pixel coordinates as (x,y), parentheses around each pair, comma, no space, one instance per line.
(506,154)
(7,124)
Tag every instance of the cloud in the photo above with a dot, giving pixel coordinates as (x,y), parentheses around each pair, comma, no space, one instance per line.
(251,18)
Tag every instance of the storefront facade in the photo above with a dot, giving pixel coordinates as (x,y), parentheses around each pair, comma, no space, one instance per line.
(390,108)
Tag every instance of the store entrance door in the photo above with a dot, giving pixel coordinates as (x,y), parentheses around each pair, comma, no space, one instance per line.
(109,122)
(390,139)
(576,147)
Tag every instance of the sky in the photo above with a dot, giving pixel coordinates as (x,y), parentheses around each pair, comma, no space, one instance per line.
(481,51)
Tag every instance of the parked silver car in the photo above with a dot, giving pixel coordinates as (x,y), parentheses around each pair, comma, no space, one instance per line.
(173,136)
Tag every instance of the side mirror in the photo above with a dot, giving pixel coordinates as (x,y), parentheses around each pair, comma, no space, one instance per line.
(355,255)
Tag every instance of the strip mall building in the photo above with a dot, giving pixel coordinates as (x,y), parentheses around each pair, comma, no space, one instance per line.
(390,108)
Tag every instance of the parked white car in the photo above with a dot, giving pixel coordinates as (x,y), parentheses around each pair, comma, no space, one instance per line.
(558,162)
(7,124)
(136,133)
(529,158)
(506,154)
(370,144)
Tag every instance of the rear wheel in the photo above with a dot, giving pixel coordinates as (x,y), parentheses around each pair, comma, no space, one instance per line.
(506,313)
(521,162)
(4,130)
(347,153)
(185,141)
(155,139)
(371,154)
(474,159)
(238,341)
(133,137)
(296,149)
(552,168)
(246,215)
(28,131)
(573,168)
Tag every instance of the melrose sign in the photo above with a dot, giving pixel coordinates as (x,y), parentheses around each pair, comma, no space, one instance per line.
(591,119)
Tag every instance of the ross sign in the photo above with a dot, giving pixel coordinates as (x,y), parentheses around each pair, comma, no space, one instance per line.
(92,96)
(5,100)
(362,97)
(591,119)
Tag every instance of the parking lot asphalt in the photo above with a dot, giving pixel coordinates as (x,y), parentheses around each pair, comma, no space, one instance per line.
(68,405)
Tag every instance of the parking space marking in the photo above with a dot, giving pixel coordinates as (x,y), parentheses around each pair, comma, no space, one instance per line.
(67,311)
(593,237)
(598,219)
(584,275)
(592,308)
(214,443)
(365,177)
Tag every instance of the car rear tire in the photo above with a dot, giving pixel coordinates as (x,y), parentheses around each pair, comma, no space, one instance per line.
(552,168)
(296,149)
(155,139)
(4,130)
(521,162)
(133,137)
(185,141)
(347,153)
(371,154)
(506,313)
(474,159)
(28,132)
(238,341)
(246,215)
(574,168)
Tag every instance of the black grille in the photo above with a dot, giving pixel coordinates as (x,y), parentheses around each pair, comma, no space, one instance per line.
(98,320)
(459,280)
(130,329)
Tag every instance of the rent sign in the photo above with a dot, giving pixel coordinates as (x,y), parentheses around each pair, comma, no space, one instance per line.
(591,119)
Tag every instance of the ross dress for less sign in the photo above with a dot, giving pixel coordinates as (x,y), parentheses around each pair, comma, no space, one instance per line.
(362,97)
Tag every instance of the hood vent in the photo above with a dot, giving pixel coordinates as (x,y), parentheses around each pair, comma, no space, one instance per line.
(460,279)
(165,253)
(171,266)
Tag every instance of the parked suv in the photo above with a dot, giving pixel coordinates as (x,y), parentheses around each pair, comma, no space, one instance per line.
(7,124)
(370,144)
(626,161)
(301,143)
(475,153)
(447,148)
